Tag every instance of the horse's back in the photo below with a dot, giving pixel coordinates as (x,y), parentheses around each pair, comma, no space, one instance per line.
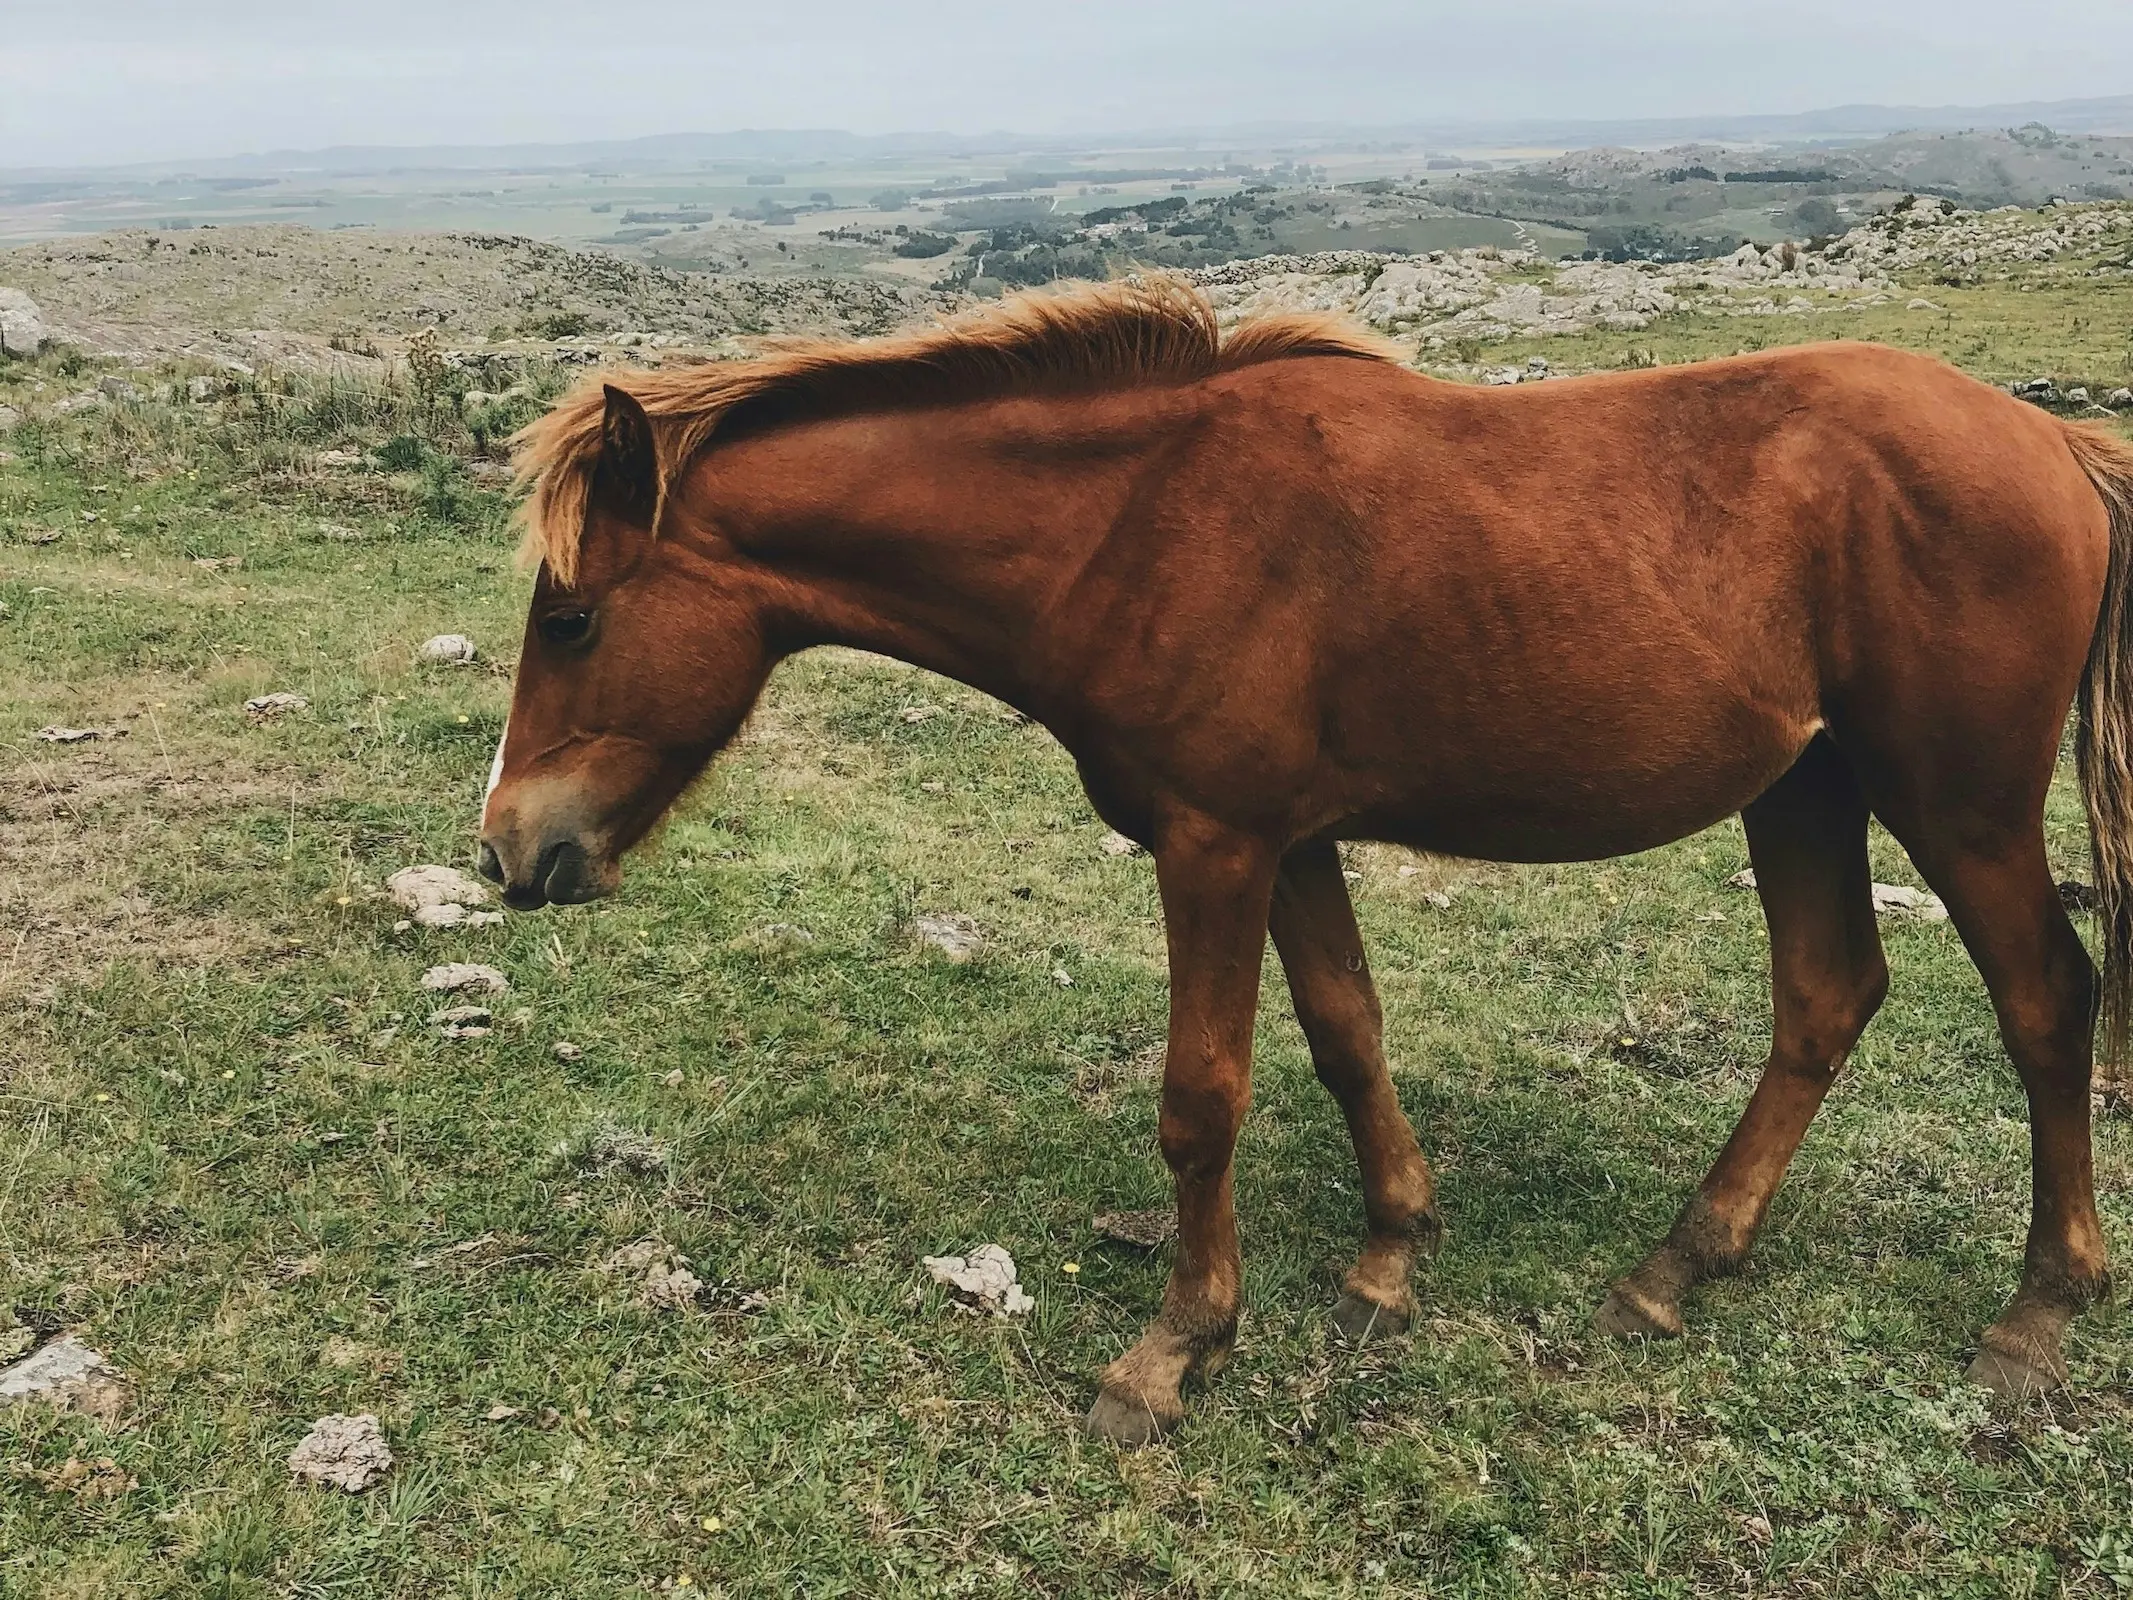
(1583,616)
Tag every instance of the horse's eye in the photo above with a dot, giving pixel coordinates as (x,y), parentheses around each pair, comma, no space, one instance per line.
(567,627)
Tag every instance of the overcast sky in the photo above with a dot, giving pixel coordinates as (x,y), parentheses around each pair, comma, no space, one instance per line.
(127,80)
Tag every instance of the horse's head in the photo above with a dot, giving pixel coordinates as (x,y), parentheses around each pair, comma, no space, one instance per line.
(632,675)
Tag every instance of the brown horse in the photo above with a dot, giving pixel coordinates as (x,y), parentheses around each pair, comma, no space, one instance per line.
(1276,591)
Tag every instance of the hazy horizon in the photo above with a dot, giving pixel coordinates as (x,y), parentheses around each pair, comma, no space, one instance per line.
(93,82)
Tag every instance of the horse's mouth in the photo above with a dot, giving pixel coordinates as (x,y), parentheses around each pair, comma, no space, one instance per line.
(564,874)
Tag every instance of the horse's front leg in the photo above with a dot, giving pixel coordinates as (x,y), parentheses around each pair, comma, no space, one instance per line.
(1216,885)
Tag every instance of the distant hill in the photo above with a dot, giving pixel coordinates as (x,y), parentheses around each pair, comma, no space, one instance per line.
(1836,125)
(2024,165)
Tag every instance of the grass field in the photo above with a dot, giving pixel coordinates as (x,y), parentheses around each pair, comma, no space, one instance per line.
(235,1156)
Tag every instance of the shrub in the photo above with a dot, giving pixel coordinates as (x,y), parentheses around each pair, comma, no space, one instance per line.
(403,452)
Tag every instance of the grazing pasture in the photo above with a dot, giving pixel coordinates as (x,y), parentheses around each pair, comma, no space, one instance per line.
(238,1158)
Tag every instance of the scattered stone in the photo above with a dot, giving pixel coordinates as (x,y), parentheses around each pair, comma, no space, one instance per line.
(1921,305)
(346,1453)
(564,1050)
(266,707)
(1146,1230)
(58,735)
(1062,977)
(2116,400)
(452,915)
(2077,396)
(437,897)
(950,932)
(338,530)
(89,400)
(664,1281)
(1437,899)
(338,458)
(22,330)
(218,563)
(920,713)
(447,650)
(10,418)
(117,388)
(1117,844)
(983,1281)
(465,977)
(69,1376)
(200,390)
(1893,900)
(101,1479)
(464,1022)
(625,1150)
(500,1413)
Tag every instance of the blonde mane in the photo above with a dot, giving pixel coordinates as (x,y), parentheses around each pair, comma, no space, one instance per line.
(1148,330)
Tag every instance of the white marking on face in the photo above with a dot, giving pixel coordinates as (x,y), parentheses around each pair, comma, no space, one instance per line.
(496,769)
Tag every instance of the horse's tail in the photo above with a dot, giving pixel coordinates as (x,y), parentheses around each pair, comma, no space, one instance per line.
(2104,743)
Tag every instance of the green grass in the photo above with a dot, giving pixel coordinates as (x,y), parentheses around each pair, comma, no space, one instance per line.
(233,1154)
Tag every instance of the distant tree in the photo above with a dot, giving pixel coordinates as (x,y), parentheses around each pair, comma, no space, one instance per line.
(1817,216)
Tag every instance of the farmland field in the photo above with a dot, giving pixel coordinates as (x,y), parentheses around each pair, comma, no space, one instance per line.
(236,1156)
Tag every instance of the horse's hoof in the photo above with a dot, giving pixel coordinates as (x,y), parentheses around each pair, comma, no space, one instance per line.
(1126,1420)
(1627,1313)
(2016,1377)
(1361,1319)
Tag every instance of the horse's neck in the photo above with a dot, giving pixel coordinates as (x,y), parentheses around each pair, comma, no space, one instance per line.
(942,539)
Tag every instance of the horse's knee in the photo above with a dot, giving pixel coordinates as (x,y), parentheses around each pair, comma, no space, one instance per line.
(1198,1129)
(1822,1023)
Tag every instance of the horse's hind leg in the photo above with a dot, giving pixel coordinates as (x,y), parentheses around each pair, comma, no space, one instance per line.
(1807,838)
(2043,987)
(1329,980)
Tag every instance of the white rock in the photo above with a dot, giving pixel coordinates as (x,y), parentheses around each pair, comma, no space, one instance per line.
(199,390)
(266,707)
(984,1279)
(950,932)
(58,735)
(68,1375)
(347,1453)
(1893,900)
(465,977)
(448,650)
(664,1281)
(22,330)
(415,889)
(118,388)
(10,418)
(463,1022)
(1117,844)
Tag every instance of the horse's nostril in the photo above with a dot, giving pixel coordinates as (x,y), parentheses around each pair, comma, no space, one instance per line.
(489,864)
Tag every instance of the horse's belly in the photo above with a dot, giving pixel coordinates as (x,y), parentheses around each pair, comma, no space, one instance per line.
(1577,797)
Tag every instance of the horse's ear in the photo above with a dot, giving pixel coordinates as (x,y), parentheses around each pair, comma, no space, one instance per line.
(628,476)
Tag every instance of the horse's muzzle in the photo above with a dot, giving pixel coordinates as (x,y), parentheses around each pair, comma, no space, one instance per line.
(562,874)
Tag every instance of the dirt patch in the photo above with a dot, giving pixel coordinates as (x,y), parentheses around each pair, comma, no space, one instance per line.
(76,822)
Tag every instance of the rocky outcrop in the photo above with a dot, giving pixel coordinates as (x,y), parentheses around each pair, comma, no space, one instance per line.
(22,329)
